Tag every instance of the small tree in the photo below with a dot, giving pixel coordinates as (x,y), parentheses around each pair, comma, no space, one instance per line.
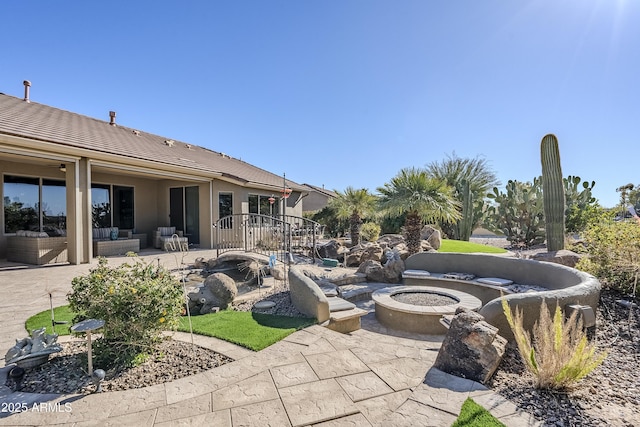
(471,180)
(421,198)
(355,205)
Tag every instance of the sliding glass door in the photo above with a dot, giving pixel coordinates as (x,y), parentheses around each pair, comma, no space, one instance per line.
(184,211)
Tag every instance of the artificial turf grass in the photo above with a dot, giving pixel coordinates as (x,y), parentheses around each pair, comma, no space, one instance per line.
(462,247)
(254,331)
(43,319)
(474,415)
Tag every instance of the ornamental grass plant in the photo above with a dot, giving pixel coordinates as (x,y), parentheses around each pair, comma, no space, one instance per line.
(136,301)
(559,355)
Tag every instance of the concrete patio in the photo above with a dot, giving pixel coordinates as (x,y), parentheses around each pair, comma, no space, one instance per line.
(373,376)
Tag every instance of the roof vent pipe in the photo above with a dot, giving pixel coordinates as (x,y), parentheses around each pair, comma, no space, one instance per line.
(112,118)
(27,85)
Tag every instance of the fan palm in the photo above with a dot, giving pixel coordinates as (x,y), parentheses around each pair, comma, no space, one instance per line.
(481,179)
(355,205)
(422,198)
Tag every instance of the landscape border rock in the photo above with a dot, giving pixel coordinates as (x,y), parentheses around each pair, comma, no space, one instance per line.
(472,348)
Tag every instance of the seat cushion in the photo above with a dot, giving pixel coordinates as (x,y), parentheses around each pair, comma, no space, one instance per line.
(166,231)
(417,274)
(496,281)
(339,304)
(103,233)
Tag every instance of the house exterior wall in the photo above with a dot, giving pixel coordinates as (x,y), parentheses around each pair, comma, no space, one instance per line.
(314,201)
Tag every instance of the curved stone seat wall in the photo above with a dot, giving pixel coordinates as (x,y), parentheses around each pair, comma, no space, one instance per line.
(566,285)
(307,296)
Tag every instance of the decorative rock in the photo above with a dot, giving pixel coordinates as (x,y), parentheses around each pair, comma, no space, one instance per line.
(201,299)
(425,246)
(374,271)
(372,251)
(329,249)
(390,241)
(200,263)
(563,256)
(394,267)
(277,272)
(432,236)
(222,287)
(472,348)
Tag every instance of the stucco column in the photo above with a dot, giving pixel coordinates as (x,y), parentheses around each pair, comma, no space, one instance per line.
(79,237)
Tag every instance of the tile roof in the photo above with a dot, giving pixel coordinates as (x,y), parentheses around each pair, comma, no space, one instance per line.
(321,190)
(44,123)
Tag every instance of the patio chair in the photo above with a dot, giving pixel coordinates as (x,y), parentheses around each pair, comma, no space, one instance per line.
(170,239)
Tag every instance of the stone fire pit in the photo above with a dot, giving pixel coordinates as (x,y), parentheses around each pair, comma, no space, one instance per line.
(419,308)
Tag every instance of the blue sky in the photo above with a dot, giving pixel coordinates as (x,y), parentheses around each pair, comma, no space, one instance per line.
(340,93)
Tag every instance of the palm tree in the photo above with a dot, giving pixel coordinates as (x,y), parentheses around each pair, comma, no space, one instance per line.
(455,171)
(422,198)
(354,205)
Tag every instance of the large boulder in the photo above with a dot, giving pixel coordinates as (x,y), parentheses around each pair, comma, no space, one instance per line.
(222,287)
(390,241)
(431,235)
(277,271)
(329,249)
(425,246)
(354,257)
(394,267)
(373,270)
(472,348)
(372,251)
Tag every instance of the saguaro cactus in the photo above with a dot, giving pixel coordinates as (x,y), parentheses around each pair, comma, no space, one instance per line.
(552,193)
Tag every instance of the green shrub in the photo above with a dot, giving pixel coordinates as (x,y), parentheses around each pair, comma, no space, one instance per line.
(370,231)
(560,355)
(614,252)
(137,302)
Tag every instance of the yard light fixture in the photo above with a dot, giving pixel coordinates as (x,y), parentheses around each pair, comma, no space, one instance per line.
(63,167)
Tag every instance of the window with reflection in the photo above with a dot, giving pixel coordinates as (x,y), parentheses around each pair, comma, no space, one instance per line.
(101,205)
(123,207)
(34,204)
(261,205)
(225,208)
(54,207)
(112,206)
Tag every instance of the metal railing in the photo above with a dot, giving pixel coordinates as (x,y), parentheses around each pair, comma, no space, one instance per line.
(267,235)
